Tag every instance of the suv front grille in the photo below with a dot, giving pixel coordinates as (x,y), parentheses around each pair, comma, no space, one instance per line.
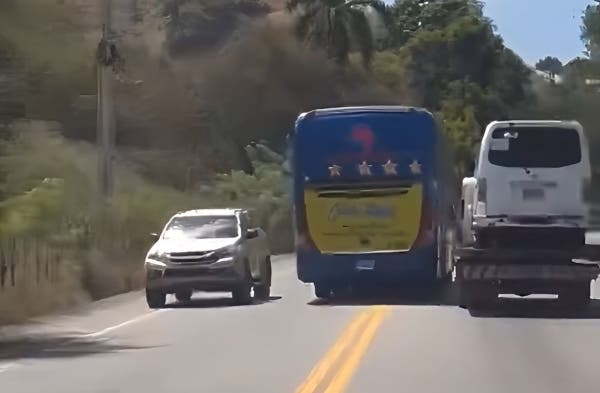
(199,257)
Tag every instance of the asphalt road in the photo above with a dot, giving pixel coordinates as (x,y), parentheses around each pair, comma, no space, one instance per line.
(294,344)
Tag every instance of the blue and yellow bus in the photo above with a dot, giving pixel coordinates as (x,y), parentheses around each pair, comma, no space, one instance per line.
(374,192)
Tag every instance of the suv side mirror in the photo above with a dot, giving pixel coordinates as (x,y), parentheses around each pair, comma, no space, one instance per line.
(251,234)
(154,236)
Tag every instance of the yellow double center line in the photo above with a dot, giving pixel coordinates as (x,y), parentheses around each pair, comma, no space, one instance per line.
(333,373)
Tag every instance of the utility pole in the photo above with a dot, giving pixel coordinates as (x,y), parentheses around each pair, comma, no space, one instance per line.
(107,58)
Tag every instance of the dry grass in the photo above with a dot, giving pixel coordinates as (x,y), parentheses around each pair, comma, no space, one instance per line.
(41,286)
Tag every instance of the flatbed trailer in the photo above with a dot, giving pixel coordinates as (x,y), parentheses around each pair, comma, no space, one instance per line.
(483,274)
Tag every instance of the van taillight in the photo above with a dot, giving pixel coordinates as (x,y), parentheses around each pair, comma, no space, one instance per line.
(426,232)
(482,190)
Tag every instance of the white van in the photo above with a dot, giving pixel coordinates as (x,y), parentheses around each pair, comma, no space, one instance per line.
(528,186)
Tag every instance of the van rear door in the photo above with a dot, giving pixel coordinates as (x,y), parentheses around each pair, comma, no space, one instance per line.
(533,171)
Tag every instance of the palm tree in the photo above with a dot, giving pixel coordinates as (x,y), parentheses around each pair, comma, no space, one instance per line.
(338,26)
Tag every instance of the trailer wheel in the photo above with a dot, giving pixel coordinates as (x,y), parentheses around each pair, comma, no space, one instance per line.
(477,294)
(575,294)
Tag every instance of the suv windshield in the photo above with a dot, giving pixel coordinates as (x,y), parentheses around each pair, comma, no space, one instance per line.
(535,147)
(202,227)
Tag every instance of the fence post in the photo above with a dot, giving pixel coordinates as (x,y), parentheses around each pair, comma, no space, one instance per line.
(13,252)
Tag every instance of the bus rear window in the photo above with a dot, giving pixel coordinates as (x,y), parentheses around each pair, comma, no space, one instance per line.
(535,147)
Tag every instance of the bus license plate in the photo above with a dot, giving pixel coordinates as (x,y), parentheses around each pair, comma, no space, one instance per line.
(365,264)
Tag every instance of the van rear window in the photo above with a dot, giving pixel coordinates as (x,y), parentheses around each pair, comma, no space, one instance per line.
(535,147)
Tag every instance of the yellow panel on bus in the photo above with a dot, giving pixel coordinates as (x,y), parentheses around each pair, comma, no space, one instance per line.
(364,224)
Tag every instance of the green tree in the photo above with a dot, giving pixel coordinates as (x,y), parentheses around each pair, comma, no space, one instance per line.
(590,29)
(464,56)
(406,17)
(50,42)
(550,64)
(338,26)
(461,128)
(445,56)
(465,49)
(204,24)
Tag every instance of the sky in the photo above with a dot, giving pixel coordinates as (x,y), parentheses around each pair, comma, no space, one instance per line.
(539,28)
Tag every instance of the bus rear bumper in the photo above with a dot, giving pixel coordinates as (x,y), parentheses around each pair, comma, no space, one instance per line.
(417,267)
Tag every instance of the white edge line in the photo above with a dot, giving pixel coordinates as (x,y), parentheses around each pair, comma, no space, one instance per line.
(8,366)
(122,324)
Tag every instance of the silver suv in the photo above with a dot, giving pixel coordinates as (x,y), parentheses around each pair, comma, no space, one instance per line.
(208,250)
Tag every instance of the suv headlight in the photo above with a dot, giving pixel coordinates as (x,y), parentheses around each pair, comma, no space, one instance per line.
(226,252)
(156,258)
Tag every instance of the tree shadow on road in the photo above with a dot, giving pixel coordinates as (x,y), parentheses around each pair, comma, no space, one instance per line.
(217,302)
(59,346)
(537,309)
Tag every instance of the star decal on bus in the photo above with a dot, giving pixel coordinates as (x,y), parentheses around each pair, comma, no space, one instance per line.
(389,168)
(335,171)
(364,169)
(415,168)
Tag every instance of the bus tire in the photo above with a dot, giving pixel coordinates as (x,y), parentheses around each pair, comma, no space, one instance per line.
(443,289)
(323,290)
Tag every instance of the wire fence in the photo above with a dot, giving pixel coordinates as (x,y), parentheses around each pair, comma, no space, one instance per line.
(36,278)
(30,261)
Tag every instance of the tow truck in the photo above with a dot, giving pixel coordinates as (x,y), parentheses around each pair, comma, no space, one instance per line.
(483,274)
(524,219)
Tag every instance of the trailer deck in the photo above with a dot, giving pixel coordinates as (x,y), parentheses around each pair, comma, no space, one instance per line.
(481,273)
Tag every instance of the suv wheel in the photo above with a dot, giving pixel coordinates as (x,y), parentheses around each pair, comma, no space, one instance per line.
(155,299)
(262,290)
(242,293)
(183,296)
